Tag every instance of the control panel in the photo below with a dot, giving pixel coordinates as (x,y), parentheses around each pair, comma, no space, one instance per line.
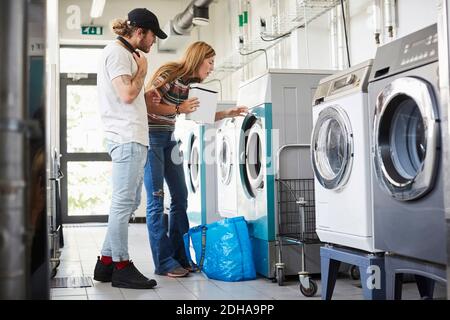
(422,49)
(411,51)
(346,82)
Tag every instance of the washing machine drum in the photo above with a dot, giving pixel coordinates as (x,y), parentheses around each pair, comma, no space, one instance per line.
(332,153)
(224,161)
(406,138)
(194,164)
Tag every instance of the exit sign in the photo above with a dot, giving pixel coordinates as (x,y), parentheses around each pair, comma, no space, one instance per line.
(92,30)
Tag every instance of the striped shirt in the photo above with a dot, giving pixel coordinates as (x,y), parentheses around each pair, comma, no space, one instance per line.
(173,94)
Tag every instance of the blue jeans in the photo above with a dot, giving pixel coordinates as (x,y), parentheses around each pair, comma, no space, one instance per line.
(166,239)
(128,161)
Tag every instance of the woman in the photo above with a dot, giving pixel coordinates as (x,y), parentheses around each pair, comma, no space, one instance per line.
(172,81)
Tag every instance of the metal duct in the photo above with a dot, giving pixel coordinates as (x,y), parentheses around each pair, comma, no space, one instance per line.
(389,16)
(182,23)
(13,268)
(334,39)
(377,21)
(340,39)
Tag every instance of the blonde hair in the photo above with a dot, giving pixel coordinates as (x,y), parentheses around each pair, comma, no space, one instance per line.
(192,59)
(123,29)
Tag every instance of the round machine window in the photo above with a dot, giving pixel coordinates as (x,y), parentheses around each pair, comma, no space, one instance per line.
(194,167)
(254,157)
(225,160)
(406,138)
(332,147)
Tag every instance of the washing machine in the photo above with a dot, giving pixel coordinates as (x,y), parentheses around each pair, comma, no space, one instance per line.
(219,185)
(226,168)
(280,115)
(408,191)
(189,138)
(197,145)
(340,157)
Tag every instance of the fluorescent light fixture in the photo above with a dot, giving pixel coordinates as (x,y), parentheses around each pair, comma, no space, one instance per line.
(97,8)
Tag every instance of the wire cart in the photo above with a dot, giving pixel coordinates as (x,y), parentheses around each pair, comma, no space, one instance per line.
(296,223)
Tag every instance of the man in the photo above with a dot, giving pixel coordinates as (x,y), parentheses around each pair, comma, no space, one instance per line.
(120,84)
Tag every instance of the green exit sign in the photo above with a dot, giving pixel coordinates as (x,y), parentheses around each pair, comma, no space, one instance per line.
(92,30)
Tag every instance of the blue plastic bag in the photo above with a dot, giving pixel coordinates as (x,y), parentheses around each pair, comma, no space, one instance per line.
(223,250)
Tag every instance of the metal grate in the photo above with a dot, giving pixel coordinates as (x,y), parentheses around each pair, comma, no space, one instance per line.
(296,210)
(72,282)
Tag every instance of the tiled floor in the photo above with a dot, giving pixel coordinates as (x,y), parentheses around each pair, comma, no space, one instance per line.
(83,243)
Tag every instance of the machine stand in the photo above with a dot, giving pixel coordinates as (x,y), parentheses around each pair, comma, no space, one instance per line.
(371,269)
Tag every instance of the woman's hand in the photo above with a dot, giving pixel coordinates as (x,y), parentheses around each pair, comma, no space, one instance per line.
(236,111)
(189,105)
(152,98)
(232,112)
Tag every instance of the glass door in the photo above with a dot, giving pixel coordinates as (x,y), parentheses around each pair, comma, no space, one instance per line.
(406,139)
(85,163)
(332,153)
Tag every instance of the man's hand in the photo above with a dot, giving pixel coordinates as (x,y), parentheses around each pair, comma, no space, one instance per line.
(128,87)
(141,61)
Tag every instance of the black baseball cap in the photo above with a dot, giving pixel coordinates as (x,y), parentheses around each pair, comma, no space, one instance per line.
(143,18)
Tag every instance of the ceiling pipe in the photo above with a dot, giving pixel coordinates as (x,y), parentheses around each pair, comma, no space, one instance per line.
(390,9)
(182,23)
(377,21)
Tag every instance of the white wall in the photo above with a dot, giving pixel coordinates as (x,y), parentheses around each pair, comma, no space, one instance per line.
(412,15)
(164,9)
(222,33)
(302,49)
(416,14)
(312,45)
(361,34)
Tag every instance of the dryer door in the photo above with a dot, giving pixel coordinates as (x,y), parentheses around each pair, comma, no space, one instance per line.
(251,155)
(194,164)
(224,161)
(406,138)
(255,157)
(332,152)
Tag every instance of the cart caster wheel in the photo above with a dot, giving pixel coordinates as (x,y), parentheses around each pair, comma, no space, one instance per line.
(280,276)
(354,273)
(311,291)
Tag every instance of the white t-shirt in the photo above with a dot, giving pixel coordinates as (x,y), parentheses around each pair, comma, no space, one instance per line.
(122,122)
